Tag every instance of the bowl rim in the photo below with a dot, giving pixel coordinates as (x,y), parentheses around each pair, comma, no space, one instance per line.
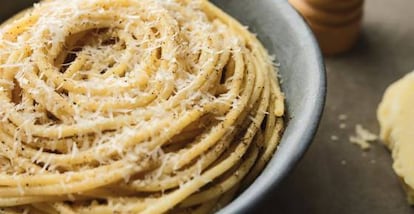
(273,174)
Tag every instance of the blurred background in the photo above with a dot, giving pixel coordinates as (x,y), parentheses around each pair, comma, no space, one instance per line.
(336,176)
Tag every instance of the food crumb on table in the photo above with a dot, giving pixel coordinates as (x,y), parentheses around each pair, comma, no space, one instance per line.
(363,137)
(343,117)
(334,138)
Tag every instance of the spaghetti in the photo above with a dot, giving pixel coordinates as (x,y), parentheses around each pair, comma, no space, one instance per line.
(132,106)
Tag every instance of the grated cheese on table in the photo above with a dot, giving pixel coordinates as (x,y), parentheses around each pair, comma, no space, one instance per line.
(363,137)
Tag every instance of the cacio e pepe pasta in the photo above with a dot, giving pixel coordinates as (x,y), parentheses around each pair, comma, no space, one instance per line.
(132,106)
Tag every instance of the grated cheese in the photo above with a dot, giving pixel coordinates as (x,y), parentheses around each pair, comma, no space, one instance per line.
(363,137)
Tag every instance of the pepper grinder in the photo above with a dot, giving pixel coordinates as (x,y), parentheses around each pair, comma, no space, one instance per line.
(335,23)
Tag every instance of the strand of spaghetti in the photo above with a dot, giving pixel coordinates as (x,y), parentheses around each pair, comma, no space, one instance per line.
(45,208)
(15,201)
(132,206)
(63,208)
(88,183)
(19,26)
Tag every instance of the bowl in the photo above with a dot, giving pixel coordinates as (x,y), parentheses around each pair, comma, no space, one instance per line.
(302,74)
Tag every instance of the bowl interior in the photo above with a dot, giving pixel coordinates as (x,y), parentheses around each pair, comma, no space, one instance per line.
(302,74)
(285,34)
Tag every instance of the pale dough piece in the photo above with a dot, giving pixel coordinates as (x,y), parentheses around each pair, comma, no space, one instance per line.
(396,118)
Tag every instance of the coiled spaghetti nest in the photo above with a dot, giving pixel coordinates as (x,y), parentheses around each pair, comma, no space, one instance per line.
(132,106)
